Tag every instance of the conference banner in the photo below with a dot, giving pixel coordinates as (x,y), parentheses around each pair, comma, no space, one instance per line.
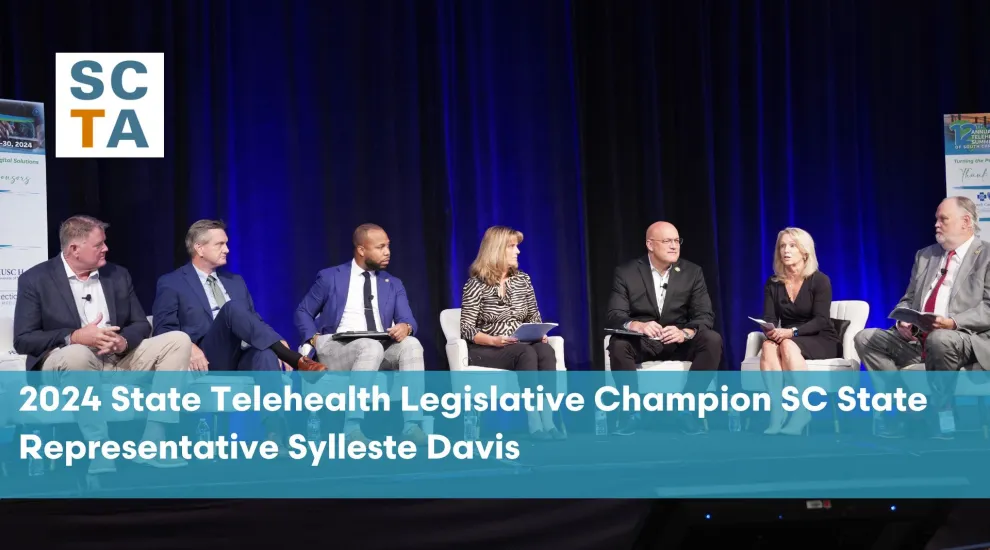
(23,208)
(967,159)
(469,434)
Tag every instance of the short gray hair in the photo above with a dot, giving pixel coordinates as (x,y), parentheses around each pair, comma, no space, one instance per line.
(198,231)
(78,227)
(968,206)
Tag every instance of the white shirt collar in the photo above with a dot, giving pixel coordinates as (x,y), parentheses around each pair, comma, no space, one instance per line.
(203,276)
(652,268)
(95,274)
(356,270)
(964,247)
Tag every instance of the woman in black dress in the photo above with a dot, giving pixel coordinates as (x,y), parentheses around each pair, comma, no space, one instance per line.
(797,299)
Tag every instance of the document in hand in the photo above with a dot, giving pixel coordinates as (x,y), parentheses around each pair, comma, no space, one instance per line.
(907,315)
(532,332)
(763,324)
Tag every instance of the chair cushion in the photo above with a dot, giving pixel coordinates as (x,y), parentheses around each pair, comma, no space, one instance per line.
(840,326)
(753,364)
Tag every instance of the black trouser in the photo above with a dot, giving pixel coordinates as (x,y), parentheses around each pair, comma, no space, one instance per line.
(704,351)
(529,359)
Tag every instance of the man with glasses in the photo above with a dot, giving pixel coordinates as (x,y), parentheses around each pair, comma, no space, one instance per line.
(664,299)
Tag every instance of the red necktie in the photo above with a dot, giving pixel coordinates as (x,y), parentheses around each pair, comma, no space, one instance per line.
(930,303)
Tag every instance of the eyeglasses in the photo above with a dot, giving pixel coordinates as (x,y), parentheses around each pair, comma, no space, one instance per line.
(667,242)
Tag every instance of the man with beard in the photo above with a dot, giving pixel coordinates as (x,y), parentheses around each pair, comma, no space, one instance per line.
(360,297)
(949,284)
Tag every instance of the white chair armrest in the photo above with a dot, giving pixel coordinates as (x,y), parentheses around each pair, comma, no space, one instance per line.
(849,345)
(557,343)
(457,355)
(754,342)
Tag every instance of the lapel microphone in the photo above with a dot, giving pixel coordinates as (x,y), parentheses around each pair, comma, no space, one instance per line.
(88,297)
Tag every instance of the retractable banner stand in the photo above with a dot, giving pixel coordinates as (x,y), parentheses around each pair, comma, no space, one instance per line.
(23,209)
(967,159)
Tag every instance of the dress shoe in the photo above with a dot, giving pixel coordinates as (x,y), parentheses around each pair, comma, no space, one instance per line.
(416,435)
(798,422)
(307,364)
(690,424)
(357,435)
(311,371)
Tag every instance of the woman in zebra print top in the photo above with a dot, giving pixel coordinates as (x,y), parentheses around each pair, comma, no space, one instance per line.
(497,298)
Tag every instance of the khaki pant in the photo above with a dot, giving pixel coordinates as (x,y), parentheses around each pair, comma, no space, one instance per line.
(73,364)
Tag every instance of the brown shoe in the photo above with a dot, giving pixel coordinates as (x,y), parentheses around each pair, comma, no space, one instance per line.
(416,435)
(311,371)
(307,364)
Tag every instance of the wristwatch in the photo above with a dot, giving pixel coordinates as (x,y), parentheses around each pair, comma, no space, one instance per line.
(687,335)
(794,332)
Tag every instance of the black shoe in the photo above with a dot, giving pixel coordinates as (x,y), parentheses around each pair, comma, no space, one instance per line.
(627,426)
(888,428)
(540,435)
(935,430)
(690,424)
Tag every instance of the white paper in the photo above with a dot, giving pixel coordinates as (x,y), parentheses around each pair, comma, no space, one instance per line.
(532,332)
(763,324)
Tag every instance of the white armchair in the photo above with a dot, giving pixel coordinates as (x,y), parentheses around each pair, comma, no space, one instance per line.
(856,312)
(660,384)
(457,351)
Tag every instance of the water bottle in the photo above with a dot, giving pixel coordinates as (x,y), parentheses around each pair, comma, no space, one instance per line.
(203,431)
(36,467)
(601,423)
(470,426)
(313,431)
(735,421)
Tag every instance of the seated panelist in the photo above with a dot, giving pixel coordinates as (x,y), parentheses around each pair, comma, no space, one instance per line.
(950,281)
(360,296)
(797,300)
(77,314)
(495,301)
(213,306)
(665,299)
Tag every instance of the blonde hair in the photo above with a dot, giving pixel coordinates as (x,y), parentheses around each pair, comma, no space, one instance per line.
(490,263)
(807,247)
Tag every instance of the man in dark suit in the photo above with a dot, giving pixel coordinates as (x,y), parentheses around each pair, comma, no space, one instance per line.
(664,298)
(214,307)
(76,315)
(361,296)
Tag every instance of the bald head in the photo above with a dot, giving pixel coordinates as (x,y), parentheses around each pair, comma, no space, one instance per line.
(658,229)
(664,244)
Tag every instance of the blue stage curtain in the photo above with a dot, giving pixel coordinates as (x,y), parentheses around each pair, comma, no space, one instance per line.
(577,123)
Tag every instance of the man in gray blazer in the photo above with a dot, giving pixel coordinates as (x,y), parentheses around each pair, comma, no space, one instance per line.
(949,279)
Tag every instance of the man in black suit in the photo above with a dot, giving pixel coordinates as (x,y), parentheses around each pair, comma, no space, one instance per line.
(76,315)
(666,299)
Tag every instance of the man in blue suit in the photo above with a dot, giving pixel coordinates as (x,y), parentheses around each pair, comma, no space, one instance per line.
(360,296)
(77,315)
(214,307)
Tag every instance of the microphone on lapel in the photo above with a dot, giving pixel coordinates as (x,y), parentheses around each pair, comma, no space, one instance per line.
(88,297)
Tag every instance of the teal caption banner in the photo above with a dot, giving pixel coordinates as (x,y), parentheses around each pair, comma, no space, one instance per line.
(471,434)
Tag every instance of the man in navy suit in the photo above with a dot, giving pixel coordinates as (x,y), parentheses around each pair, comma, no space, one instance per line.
(76,315)
(214,307)
(360,296)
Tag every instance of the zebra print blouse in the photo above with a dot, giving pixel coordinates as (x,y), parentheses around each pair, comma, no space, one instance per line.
(482,310)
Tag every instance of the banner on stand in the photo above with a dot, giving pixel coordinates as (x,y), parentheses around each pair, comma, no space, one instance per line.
(967,159)
(23,202)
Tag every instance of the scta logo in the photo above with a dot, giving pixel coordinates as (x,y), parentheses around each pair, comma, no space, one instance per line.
(110,105)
